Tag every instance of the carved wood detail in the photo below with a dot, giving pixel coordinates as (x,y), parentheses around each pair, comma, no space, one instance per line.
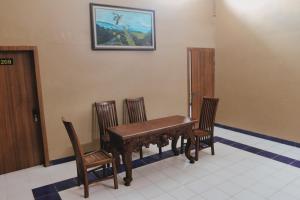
(125,143)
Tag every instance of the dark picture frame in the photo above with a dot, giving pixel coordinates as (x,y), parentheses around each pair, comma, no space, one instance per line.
(122,28)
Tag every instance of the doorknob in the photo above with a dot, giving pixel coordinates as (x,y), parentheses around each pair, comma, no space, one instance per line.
(35,115)
(195,93)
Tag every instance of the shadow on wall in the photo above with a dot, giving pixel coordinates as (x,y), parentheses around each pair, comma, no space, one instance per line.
(95,126)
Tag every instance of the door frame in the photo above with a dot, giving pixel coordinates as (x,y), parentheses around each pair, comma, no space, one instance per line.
(37,80)
(189,73)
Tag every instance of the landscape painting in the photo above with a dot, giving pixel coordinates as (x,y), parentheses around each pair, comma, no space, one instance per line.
(122,28)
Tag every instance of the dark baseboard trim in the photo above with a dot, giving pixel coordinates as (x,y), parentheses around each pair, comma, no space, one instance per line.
(62,160)
(259,135)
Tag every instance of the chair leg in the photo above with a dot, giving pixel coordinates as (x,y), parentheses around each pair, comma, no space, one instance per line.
(197,148)
(141,153)
(160,150)
(78,178)
(115,173)
(86,185)
(212,147)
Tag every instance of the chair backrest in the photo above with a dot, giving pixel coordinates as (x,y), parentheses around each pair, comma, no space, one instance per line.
(107,115)
(136,110)
(208,114)
(76,146)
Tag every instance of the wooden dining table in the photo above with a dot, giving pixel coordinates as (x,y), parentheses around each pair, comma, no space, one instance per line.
(128,138)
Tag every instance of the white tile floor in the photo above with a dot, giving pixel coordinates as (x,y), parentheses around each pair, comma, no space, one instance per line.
(230,174)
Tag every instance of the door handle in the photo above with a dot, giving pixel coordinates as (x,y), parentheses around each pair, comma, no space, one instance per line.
(35,115)
(195,94)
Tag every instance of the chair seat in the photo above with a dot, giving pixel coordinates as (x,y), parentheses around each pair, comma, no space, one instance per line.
(201,133)
(105,138)
(96,158)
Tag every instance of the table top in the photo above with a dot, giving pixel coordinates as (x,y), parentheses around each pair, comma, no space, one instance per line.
(127,131)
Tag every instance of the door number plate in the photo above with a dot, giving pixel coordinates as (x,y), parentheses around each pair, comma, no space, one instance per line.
(6,61)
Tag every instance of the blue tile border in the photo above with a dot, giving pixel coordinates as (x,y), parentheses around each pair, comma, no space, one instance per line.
(296,164)
(259,135)
(51,191)
(252,150)
(66,184)
(52,196)
(284,159)
(260,152)
(267,154)
(43,191)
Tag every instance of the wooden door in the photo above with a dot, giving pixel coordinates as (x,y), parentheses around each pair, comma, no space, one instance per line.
(201,71)
(20,130)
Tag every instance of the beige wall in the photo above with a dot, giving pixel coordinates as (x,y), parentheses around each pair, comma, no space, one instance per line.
(257,66)
(74,76)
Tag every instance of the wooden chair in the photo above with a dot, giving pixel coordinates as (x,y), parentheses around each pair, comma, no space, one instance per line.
(92,160)
(107,117)
(205,133)
(137,113)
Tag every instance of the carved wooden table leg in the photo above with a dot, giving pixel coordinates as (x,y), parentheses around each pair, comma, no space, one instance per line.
(182,144)
(127,159)
(116,156)
(174,144)
(190,140)
(188,151)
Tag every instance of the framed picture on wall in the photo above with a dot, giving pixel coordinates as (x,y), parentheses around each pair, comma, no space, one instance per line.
(122,28)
